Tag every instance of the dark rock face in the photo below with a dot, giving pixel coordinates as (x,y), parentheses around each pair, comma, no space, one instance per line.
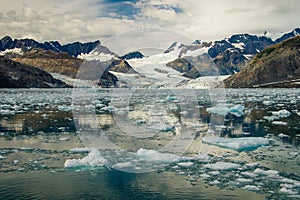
(195,67)
(17,75)
(132,55)
(180,64)
(121,66)
(73,49)
(277,65)
(230,61)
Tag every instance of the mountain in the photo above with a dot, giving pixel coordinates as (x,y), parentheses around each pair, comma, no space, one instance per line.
(227,55)
(73,49)
(286,36)
(51,61)
(17,75)
(64,64)
(132,55)
(276,66)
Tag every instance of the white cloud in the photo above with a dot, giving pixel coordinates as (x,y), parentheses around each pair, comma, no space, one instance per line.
(72,20)
(214,19)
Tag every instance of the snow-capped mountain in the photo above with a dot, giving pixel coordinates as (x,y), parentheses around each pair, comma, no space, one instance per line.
(73,49)
(181,65)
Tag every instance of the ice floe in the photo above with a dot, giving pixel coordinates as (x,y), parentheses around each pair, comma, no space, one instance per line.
(222,166)
(93,159)
(224,109)
(238,144)
(155,156)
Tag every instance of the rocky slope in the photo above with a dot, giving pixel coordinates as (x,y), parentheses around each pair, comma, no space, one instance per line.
(17,75)
(64,64)
(51,61)
(276,66)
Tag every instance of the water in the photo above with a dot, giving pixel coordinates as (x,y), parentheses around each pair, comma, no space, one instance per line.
(38,127)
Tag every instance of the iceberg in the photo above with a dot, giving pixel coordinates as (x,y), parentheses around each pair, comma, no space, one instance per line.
(224,109)
(238,144)
(155,156)
(281,113)
(185,164)
(280,123)
(93,159)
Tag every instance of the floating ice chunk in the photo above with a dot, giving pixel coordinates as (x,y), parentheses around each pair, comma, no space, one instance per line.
(237,110)
(93,159)
(283,136)
(251,164)
(204,157)
(123,165)
(171,98)
(205,176)
(249,174)
(280,123)
(252,188)
(215,182)
(291,181)
(268,103)
(281,113)
(224,109)
(271,118)
(64,108)
(238,144)
(185,164)
(244,180)
(287,191)
(265,173)
(214,173)
(64,139)
(222,166)
(155,156)
(5,106)
(15,162)
(80,150)
(221,109)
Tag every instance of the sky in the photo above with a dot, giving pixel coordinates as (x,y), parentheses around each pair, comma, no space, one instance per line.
(90,20)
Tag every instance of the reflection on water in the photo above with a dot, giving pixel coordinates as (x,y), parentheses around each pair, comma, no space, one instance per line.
(106,184)
(39,127)
(143,113)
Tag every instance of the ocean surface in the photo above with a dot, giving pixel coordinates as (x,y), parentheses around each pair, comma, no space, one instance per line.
(149,144)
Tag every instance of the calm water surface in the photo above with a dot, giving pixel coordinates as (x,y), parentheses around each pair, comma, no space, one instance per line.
(38,127)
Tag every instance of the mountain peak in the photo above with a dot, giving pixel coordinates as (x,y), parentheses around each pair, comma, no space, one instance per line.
(286,36)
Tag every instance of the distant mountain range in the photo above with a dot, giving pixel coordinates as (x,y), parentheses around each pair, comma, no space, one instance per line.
(73,49)
(179,66)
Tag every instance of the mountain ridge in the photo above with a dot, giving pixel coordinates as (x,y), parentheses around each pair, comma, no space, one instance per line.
(276,66)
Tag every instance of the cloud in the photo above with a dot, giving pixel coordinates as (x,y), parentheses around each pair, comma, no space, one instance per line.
(72,20)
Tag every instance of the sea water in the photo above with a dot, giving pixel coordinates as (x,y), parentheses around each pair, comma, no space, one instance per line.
(149,144)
